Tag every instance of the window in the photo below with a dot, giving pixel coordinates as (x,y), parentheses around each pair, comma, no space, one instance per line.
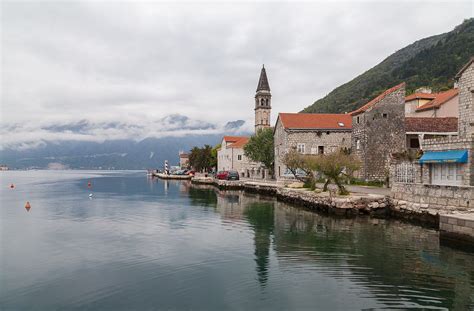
(414,143)
(358,119)
(239,157)
(358,144)
(385,115)
(446,174)
(320,149)
(300,148)
(341,124)
(405,173)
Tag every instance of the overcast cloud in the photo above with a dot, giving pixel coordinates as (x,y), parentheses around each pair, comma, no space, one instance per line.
(136,63)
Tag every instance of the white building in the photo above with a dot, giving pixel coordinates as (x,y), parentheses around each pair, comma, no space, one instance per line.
(231,154)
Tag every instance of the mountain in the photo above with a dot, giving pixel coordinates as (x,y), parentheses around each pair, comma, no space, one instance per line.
(77,147)
(113,154)
(431,62)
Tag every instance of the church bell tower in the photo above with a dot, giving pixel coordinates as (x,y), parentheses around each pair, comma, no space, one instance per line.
(263,102)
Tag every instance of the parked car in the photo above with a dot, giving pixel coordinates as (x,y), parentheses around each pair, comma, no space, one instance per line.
(222,175)
(232,175)
(289,175)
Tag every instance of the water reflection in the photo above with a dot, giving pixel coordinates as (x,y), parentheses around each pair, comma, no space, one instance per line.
(144,244)
(260,217)
(398,264)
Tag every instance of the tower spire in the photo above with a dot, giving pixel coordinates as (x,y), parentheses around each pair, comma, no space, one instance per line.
(263,102)
(263,81)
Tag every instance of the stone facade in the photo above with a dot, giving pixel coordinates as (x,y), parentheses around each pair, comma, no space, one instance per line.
(315,141)
(465,81)
(427,192)
(378,130)
(450,143)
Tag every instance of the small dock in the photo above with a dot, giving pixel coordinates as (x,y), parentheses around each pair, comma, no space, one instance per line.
(171,176)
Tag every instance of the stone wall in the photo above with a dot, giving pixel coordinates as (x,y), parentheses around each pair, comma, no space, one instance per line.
(466,105)
(350,205)
(433,199)
(280,145)
(380,131)
(457,226)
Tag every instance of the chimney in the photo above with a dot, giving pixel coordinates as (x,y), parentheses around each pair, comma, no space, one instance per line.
(424,90)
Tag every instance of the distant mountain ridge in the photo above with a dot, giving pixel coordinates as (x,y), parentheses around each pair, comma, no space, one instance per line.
(431,62)
(112,154)
(123,153)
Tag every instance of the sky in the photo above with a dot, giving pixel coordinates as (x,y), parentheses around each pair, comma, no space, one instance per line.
(133,64)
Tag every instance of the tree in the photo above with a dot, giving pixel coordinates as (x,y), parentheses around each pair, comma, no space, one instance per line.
(214,155)
(201,158)
(336,166)
(295,162)
(260,148)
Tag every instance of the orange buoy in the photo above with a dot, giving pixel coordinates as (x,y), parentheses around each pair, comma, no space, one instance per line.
(12,186)
(27,206)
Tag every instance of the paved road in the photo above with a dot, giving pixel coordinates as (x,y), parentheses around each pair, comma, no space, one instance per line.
(362,189)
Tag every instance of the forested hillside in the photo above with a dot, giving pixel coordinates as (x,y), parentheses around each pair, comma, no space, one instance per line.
(432,62)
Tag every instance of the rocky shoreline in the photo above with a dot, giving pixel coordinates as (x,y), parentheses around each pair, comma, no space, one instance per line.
(356,204)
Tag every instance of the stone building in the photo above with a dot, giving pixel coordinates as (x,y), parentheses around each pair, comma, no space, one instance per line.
(309,134)
(443,178)
(378,130)
(418,130)
(183,160)
(449,161)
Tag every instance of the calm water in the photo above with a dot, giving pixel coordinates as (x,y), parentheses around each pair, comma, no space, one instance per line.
(149,244)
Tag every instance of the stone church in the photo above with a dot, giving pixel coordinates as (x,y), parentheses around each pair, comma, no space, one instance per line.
(231,154)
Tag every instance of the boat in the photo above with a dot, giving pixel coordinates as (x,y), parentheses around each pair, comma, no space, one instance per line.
(172,176)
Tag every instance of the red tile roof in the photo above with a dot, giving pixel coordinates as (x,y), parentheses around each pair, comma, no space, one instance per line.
(431,125)
(240,143)
(315,121)
(420,96)
(231,139)
(184,155)
(377,99)
(440,99)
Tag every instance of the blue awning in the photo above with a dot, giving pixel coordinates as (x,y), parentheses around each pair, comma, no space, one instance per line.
(449,156)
